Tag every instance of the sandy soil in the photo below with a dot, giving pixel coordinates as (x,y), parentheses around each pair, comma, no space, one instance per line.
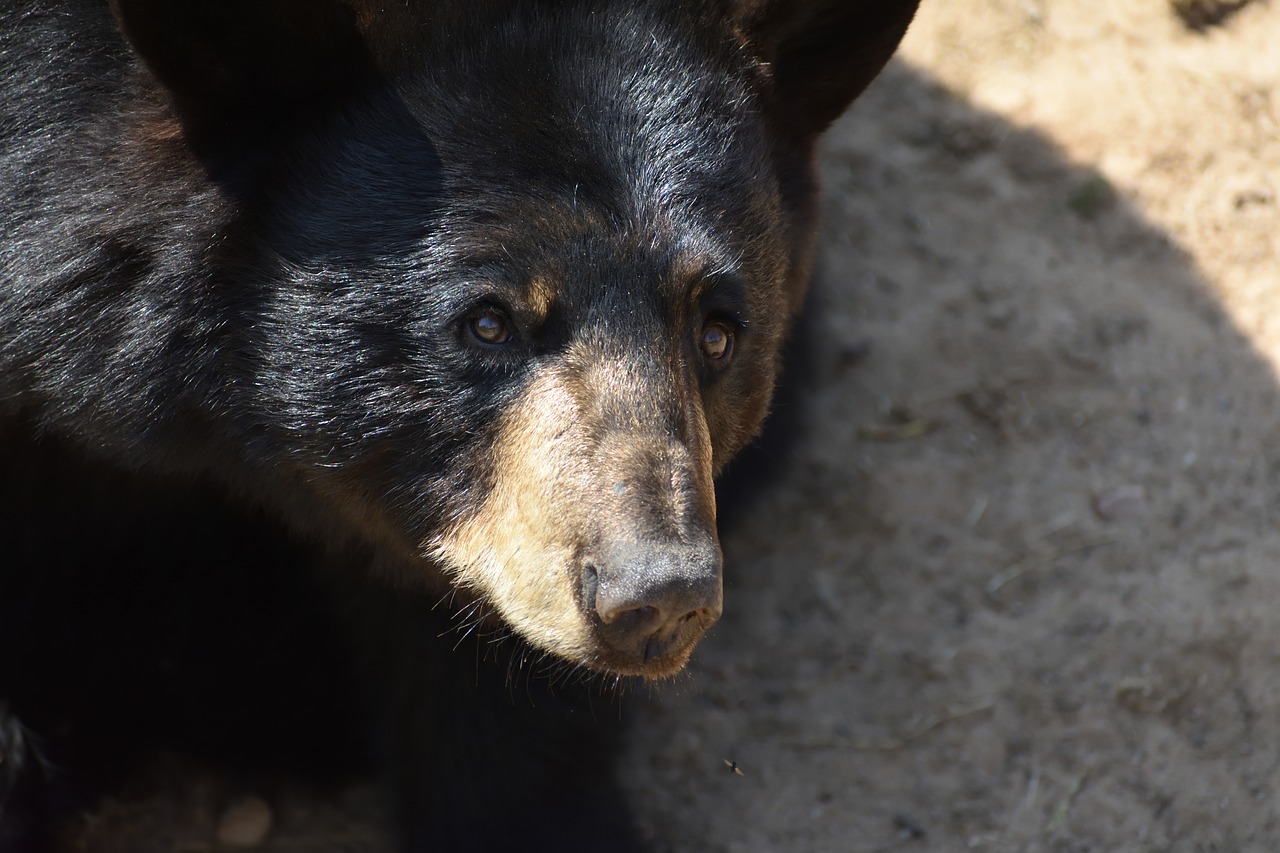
(1015,585)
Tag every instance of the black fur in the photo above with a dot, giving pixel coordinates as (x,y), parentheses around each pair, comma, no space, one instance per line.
(241,245)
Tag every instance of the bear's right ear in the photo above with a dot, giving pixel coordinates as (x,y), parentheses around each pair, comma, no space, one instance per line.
(225,61)
(822,53)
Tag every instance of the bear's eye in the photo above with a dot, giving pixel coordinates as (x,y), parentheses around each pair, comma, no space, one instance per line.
(490,327)
(717,341)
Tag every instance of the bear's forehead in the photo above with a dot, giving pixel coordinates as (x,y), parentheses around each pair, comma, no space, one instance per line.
(582,107)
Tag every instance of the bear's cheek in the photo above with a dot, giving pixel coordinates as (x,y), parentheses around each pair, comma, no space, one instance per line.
(595,542)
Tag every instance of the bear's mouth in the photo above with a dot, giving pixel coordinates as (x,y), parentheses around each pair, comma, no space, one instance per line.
(649,624)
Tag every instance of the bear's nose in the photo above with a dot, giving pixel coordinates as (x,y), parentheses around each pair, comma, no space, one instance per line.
(655,598)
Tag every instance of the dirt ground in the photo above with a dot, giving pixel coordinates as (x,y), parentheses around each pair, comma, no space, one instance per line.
(1015,585)
(1019,585)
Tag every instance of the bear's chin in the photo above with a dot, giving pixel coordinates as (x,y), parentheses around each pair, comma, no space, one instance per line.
(662,668)
(656,662)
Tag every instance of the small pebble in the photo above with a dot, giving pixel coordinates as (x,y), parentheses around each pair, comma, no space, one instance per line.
(1122,501)
(1253,196)
(907,828)
(245,823)
(854,351)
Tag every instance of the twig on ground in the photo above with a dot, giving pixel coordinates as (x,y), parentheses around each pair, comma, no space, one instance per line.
(1031,563)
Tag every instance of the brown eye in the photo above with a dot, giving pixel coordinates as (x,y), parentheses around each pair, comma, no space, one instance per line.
(717,341)
(490,327)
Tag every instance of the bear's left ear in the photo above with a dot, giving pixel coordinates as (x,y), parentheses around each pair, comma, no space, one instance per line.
(823,53)
(225,61)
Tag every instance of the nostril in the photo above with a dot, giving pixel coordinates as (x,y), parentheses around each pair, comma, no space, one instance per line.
(630,616)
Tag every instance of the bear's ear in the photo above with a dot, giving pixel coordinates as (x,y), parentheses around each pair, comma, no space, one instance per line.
(823,53)
(236,59)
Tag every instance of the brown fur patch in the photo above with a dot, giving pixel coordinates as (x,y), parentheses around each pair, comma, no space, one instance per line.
(520,548)
(580,461)
(540,295)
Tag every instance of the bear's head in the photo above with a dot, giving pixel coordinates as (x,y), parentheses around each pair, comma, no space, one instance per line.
(506,282)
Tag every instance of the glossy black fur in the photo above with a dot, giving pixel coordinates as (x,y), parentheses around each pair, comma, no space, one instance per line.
(241,243)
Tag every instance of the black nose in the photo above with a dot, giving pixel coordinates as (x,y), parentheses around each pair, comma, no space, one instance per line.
(654,598)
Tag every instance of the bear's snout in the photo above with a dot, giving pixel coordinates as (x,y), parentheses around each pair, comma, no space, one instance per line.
(654,600)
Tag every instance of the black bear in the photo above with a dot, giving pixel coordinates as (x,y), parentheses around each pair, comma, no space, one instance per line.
(434,318)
